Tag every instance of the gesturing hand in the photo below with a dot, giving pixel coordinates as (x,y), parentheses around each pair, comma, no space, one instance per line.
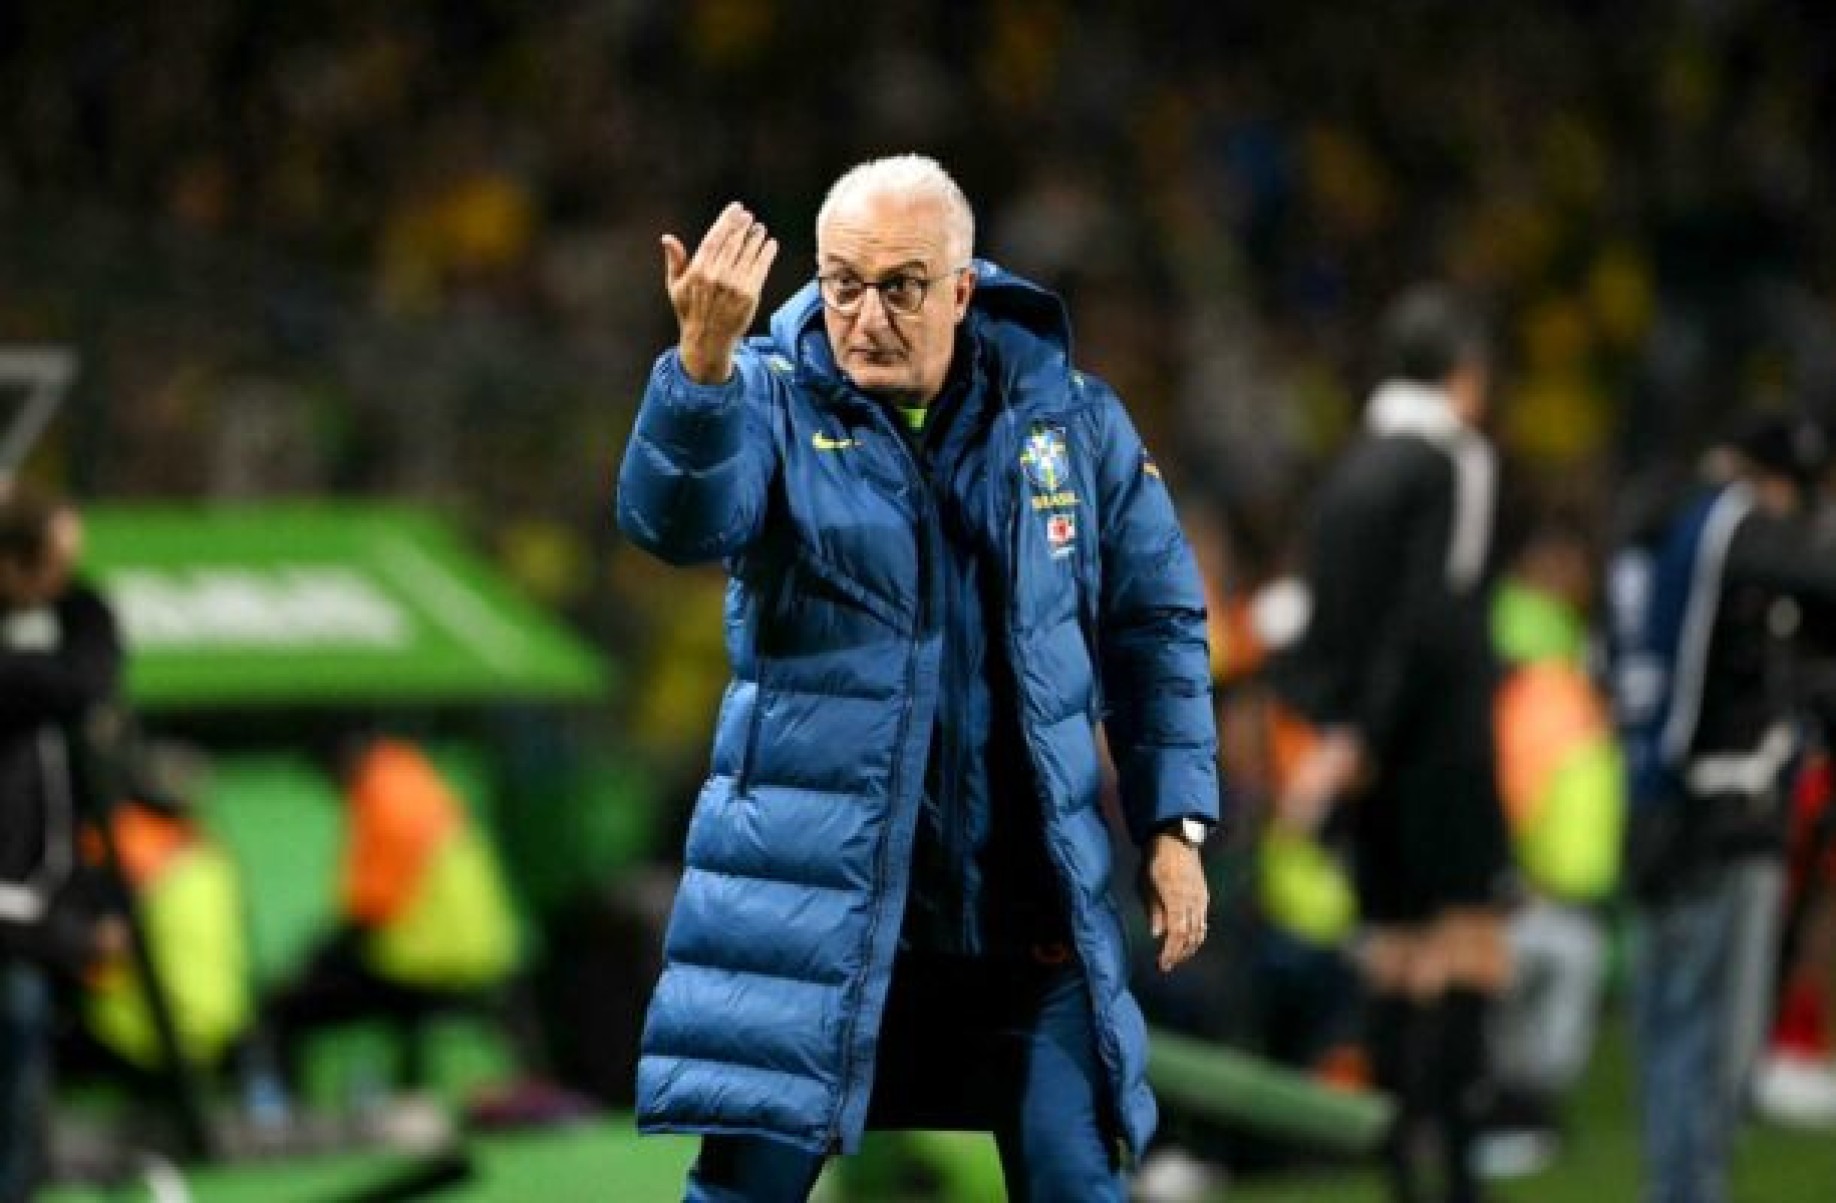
(716,293)
(1174,891)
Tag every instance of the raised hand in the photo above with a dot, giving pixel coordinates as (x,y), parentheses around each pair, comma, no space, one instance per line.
(716,293)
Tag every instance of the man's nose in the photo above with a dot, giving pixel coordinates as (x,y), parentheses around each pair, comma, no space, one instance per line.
(874,315)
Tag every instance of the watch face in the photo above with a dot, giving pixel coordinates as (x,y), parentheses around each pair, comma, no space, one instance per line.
(1193,831)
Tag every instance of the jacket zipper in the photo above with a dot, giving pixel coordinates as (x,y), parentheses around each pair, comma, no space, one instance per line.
(949,798)
(926,568)
(949,785)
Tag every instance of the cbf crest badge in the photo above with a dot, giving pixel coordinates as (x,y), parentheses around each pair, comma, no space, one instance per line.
(1045,459)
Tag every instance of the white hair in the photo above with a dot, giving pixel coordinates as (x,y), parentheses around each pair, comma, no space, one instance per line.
(911,176)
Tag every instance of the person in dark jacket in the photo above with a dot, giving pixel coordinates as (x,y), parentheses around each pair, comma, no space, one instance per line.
(951,561)
(60,658)
(1396,671)
(1703,597)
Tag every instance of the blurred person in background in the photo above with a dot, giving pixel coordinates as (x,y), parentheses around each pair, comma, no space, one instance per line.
(189,898)
(1703,597)
(426,920)
(60,660)
(1562,782)
(895,910)
(1304,888)
(1395,671)
(1305,990)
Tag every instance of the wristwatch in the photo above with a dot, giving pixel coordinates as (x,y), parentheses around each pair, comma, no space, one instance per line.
(1190,831)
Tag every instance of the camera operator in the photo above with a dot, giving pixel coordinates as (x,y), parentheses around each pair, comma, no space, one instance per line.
(1701,594)
(60,658)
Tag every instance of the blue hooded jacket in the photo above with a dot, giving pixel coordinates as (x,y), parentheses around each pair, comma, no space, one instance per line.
(779,951)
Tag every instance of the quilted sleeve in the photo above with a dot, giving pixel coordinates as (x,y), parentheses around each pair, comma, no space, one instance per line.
(1151,637)
(699,465)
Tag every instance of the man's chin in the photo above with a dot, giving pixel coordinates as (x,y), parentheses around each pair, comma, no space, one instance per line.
(889,386)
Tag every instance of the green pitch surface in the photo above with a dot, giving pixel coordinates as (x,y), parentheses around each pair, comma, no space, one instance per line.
(607,1163)
(599,1163)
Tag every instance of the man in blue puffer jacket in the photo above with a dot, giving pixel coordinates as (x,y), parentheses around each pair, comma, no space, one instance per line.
(950,559)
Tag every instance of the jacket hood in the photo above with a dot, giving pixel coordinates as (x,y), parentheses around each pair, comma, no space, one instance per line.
(1023,328)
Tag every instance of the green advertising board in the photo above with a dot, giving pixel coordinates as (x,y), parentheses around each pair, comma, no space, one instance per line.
(321,604)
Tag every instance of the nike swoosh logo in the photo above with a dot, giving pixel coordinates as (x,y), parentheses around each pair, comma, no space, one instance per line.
(823,442)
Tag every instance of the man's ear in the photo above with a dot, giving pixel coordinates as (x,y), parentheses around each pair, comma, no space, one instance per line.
(965,288)
(1469,385)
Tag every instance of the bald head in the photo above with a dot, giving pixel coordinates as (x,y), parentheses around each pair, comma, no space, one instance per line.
(913,181)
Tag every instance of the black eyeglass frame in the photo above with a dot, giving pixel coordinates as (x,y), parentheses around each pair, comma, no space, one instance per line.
(825,282)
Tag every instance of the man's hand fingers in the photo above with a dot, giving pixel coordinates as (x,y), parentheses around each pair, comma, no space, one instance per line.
(761,266)
(734,267)
(1183,941)
(1186,923)
(714,251)
(1171,954)
(1173,889)
(732,257)
(715,291)
(675,260)
(756,237)
(735,251)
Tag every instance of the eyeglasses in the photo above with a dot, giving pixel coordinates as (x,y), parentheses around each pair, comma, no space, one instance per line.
(902,293)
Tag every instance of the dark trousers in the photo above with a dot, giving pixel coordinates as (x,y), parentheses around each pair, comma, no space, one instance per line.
(1007,1047)
(25,1075)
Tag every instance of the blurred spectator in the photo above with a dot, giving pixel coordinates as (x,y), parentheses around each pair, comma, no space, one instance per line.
(277,181)
(1306,990)
(1700,676)
(1561,779)
(190,903)
(1395,672)
(60,659)
(427,926)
